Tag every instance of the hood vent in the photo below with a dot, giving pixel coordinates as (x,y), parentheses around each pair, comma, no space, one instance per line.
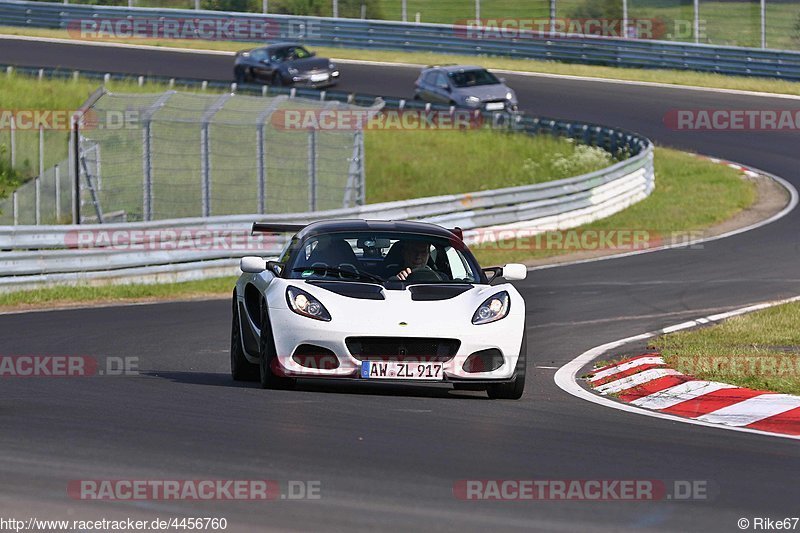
(361,291)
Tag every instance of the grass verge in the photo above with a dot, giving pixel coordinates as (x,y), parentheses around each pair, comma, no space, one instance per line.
(63,295)
(691,194)
(677,77)
(760,350)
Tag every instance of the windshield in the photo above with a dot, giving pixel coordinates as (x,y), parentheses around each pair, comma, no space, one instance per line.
(472,78)
(379,257)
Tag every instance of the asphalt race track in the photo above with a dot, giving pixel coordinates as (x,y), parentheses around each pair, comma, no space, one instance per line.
(388,457)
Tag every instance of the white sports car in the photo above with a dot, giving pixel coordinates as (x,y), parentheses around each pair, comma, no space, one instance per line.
(378,301)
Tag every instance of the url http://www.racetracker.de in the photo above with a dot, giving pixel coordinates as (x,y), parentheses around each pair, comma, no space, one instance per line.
(36,525)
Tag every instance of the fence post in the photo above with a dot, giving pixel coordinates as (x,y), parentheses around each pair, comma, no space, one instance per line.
(41,150)
(265,6)
(147,157)
(13,142)
(335,8)
(76,166)
(147,172)
(15,207)
(197,4)
(404,11)
(205,148)
(478,10)
(57,179)
(37,183)
(696,23)
(73,167)
(362,182)
(312,169)
(763,23)
(552,18)
(262,171)
(624,19)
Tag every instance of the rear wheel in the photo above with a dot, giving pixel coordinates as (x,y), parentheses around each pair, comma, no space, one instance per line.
(512,390)
(241,368)
(268,358)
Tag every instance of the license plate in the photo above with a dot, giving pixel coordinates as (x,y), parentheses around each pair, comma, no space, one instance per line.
(398,370)
(319,77)
(495,106)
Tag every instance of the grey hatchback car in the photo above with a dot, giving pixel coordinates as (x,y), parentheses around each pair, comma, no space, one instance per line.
(465,86)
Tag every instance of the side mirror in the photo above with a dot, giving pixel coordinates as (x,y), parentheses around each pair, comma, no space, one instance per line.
(515,272)
(252,264)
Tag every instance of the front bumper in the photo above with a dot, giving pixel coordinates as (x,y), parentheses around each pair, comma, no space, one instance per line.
(316,80)
(291,331)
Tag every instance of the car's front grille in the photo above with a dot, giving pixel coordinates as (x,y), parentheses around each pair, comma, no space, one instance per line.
(402,348)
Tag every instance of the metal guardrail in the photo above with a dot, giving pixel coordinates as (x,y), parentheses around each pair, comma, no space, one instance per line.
(444,39)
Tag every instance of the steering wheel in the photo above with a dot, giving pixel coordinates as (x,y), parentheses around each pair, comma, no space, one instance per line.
(423,273)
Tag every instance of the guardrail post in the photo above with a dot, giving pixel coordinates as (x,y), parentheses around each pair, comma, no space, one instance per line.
(312,169)
(15,207)
(57,179)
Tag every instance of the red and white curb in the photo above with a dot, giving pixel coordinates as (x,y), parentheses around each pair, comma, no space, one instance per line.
(646,386)
(646,381)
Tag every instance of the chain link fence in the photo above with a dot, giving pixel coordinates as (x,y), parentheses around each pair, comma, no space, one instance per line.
(717,22)
(178,155)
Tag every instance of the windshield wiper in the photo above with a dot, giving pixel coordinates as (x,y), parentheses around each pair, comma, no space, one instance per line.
(355,272)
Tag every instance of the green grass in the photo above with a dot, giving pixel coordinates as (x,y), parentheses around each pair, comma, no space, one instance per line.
(117,293)
(677,77)
(403,164)
(690,194)
(760,350)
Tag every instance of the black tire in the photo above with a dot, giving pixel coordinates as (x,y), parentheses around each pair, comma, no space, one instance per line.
(267,362)
(241,368)
(240,76)
(513,390)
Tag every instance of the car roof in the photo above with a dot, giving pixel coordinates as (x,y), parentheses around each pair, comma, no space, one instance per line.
(400,226)
(454,68)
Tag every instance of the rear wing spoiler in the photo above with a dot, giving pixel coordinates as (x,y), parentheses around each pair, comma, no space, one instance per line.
(266,227)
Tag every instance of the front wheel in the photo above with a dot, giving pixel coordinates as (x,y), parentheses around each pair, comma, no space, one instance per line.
(241,368)
(267,362)
(512,390)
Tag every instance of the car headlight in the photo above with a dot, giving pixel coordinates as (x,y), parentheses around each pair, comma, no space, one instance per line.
(293,71)
(304,304)
(472,100)
(492,309)
(509,95)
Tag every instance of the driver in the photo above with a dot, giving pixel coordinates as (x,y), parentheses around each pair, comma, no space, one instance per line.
(415,256)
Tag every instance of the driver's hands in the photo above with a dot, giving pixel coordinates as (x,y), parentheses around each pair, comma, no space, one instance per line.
(403,274)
